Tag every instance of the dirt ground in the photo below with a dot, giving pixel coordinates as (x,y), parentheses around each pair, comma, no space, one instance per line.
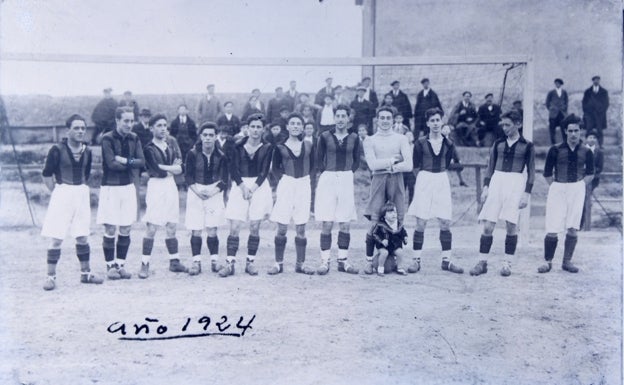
(432,327)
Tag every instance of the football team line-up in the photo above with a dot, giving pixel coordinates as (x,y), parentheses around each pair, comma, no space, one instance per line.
(232,179)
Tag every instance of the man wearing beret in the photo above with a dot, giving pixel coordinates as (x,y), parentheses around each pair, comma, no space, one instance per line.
(557,105)
(401,102)
(595,105)
(425,100)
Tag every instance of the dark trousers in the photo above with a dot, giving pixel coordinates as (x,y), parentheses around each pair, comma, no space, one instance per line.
(553,123)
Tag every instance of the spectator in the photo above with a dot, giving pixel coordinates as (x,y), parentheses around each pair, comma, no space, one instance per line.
(340,97)
(127,101)
(142,128)
(362,131)
(464,118)
(103,116)
(327,90)
(401,102)
(292,96)
(557,105)
(517,108)
(426,99)
(590,142)
(304,100)
(409,179)
(253,106)
(276,105)
(184,129)
(489,117)
(595,105)
(283,118)
(325,117)
(363,110)
(209,106)
(369,94)
(308,114)
(227,118)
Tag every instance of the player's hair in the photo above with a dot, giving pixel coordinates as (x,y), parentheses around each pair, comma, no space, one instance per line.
(294,115)
(388,206)
(183,105)
(156,118)
(467,92)
(433,111)
(71,119)
(386,109)
(208,125)
(513,116)
(362,125)
(571,119)
(343,107)
(254,117)
(122,110)
(591,133)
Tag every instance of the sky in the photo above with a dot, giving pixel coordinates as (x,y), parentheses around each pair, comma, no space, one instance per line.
(182,28)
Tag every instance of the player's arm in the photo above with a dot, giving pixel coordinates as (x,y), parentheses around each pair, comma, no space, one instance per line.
(51,164)
(113,162)
(453,163)
(152,163)
(356,155)
(223,173)
(278,167)
(89,160)
(416,157)
(551,160)
(189,174)
(489,171)
(138,158)
(321,151)
(265,166)
(406,153)
(234,166)
(589,167)
(371,159)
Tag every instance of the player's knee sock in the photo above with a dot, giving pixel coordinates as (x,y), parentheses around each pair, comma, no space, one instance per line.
(123,244)
(213,247)
(568,247)
(485,244)
(511,241)
(446,241)
(196,245)
(370,247)
(53,257)
(232,247)
(172,248)
(148,245)
(550,245)
(280,246)
(108,245)
(83,252)
(252,246)
(300,248)
(344,239)
(417,244)
(326,240)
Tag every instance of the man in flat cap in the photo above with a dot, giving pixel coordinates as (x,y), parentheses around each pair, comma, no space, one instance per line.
(489,117)
(557,105)
(276,104)
(103,115)
(128,101)
(426,99)
(209,106)
(595,105)
(142,128)
(363,110)
(319,99)
(401,102)
(369,93)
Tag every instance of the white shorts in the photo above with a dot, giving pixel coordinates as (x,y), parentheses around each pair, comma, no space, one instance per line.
(162,200)
(117,205)
(564,206)
(504,194)
(335,199)
(69,211)
(255,209)
(294,196)
(204,213)
(432,196)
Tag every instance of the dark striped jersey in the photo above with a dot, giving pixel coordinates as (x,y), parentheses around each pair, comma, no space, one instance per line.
(65,168)
(337,155)
(512,159)
(425,159)
(155,156)
(285,162)
(203,170)
(129,147)
(569,165)
(243,165)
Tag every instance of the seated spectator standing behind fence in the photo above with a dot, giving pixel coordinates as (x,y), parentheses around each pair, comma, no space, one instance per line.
(142,129)
(253,106)
(227,118)
(489,116)
(595,105)
(319,99)
(401,102)
(103,116)
(425,100)
(184,129)
(464,118)
(591,141)
(276,105)
(128,101)
(209,106)
(363,110)
(557,105)
(325,116)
